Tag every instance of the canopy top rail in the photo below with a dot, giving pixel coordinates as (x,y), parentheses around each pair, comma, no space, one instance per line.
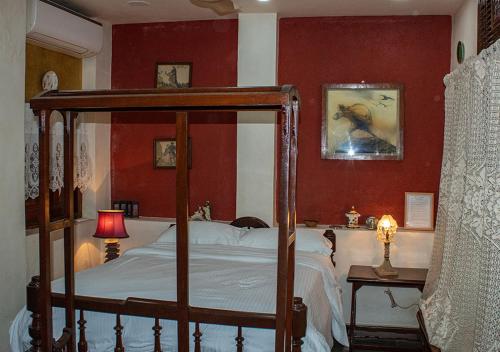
(183,99)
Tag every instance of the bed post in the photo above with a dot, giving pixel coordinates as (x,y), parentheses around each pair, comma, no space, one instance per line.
(282,300)
(32,305)
(299,324)
(44,296)
(330,235)
(293,219)
(182,213)
(69,230)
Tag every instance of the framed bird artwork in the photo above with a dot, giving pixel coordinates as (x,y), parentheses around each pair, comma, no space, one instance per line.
(362,121)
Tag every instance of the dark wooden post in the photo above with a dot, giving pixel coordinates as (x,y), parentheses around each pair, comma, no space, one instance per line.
(182,195)
(157,329)
(333,238)
(69,232)
(197,337)
(239,340)
(82,342)
(283,244)
(118,332)
(299,325)
(35,333)
(45,304)
(292,210)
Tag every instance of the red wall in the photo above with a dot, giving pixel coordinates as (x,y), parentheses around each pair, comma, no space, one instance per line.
(212,47)
(414,51)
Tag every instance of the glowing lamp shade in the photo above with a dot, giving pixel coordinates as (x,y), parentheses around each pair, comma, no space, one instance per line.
(386,229)
(111,227)
(111,224)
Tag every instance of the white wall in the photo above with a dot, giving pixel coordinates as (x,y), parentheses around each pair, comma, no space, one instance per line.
(464,28)
(97,75)
(87,250)
(255,177)
(12,245)
(99,196)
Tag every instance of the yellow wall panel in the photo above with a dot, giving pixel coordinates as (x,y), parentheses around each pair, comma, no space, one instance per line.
(40,60)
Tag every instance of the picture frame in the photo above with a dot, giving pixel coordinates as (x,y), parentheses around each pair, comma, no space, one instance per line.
(164,153)
(173,74)
(419,211)
(362,121)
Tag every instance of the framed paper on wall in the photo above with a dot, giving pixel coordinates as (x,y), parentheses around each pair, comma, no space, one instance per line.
(165,153)
(173,75)
(419,211)
(362,122)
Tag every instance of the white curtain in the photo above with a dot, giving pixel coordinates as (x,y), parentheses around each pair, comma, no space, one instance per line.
(82,164)
(461,304)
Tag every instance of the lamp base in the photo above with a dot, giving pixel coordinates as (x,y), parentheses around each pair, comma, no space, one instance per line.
(112,250)
(386,269)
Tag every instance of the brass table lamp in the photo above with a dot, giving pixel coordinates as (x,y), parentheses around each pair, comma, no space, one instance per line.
(386,229)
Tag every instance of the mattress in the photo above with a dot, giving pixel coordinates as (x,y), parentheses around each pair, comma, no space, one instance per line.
(223,277)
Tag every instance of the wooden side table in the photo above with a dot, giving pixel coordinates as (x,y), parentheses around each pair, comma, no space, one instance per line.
(361,275)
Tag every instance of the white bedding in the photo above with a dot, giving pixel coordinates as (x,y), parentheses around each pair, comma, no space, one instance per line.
(225,277)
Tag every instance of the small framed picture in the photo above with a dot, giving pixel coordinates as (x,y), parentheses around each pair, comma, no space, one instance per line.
(419,211)
(165,153)
(362,121)
(173,75)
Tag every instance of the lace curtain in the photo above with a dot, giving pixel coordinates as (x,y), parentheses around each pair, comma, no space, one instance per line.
(82,165)
(461,305)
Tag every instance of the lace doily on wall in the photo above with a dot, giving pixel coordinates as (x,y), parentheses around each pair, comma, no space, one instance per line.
(82,164)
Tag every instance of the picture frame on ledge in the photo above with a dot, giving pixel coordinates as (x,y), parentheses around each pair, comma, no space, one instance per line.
(362,121)
(165,153)
(419,211)
(173,74)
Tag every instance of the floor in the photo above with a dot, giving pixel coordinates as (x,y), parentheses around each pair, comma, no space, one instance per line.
(395,344)
(340,348)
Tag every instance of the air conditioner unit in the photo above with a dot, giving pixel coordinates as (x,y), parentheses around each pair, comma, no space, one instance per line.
(59,29)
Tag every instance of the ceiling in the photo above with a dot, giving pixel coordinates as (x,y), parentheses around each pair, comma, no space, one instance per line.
(118,11)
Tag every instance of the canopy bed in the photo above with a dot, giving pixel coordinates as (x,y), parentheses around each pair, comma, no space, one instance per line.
(288,314)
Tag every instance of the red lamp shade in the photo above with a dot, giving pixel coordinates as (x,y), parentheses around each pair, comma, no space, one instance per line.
(111,224)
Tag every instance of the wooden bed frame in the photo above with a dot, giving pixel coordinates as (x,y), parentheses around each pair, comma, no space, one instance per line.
(290,318)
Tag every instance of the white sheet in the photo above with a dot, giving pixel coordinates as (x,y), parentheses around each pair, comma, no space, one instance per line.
(225,277)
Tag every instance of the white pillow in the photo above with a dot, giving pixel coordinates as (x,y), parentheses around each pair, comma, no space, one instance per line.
(205,232)
(307,240)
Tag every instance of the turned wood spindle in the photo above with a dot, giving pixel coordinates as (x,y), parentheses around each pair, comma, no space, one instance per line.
(34,329)
(157,329)
(63,344)
(197,338)
(239,340)
(35,333)
(82,341)
(299,324)
(55,347)
(119,328)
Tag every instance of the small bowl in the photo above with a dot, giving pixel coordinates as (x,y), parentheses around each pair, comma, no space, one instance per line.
(311,223)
